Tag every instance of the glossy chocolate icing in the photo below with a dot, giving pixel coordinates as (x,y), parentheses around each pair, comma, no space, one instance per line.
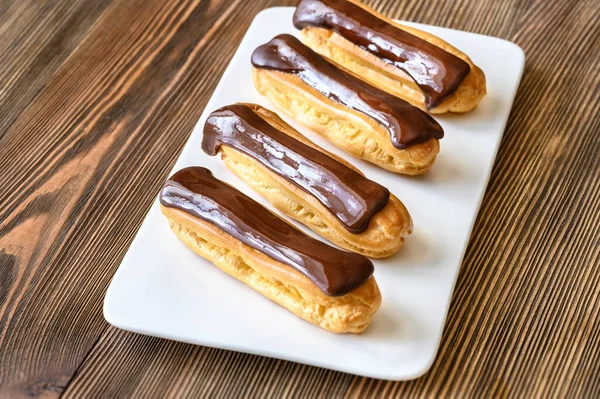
(437,72)
(350,197)
(196,191)
(407,124)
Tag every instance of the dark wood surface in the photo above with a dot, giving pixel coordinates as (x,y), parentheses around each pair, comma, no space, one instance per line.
(97,98)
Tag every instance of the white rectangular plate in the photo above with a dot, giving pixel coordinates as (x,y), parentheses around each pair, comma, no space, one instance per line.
(165,290)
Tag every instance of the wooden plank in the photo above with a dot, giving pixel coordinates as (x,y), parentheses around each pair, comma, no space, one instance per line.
(129,365)
(524,319)
(76,167)
(35,39)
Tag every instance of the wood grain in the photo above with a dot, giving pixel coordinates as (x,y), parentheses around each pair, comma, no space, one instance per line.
(35,39)
(98,98)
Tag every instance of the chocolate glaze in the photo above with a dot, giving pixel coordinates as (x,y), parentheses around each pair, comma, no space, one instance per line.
(437,72)
(408,125)
(350,197)
(196,191)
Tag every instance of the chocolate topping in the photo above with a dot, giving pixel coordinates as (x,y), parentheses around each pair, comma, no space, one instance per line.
(350,197)
(196,191)
(408,125)
(437,72)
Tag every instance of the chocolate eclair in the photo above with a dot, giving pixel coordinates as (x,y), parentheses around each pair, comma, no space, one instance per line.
(326,286)
(305,182)
(406,62)
(354,115)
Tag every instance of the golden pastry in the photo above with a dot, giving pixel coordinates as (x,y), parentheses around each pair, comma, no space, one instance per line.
(305,182)
(362,119)
(326,286)
(406,62)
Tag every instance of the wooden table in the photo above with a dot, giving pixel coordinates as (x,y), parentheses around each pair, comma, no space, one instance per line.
(97,98)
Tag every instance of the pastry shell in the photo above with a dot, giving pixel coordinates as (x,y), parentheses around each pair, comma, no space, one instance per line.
(387,228)
(389,78)
(350,313)
(356,133)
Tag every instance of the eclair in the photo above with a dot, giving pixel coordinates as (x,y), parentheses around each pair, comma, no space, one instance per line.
(326,286)
(406,62)
(305,182)
(354,115)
